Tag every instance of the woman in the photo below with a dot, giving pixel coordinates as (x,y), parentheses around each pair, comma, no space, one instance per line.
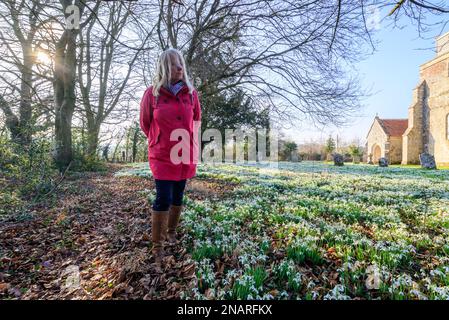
(170,104)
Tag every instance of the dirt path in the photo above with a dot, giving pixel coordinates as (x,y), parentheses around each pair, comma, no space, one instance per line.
(93,242)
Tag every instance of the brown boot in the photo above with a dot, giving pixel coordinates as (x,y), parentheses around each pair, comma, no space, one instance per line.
(173,220)
(159,220)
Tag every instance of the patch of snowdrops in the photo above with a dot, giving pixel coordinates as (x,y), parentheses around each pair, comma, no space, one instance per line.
(311,230)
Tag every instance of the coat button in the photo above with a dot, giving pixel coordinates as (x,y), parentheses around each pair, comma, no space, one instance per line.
(179,138)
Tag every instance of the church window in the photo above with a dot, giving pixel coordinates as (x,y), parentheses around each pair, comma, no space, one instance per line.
(447,126)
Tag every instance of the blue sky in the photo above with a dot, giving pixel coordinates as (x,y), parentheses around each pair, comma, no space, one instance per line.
(392,72)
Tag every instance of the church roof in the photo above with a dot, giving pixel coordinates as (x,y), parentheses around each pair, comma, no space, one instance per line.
(394,127)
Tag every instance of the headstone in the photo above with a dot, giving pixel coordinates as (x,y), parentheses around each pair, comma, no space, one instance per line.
(427,161)
(383,162)
(294,156)
(338,159)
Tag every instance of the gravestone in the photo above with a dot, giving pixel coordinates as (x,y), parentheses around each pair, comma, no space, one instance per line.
(427,161)
(383,162)
(294,156)
(338,159)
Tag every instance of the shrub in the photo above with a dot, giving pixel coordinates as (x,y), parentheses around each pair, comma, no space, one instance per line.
(25,173)
(83,162)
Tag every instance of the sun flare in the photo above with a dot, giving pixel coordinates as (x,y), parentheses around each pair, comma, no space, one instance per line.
(43,58)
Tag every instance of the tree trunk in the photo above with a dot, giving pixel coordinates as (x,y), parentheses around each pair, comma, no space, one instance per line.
(21,126)
(93,131)
(135,142)
(25,97)
(64,88)
(125,154)
(12,122)
(114,154)
(106,152)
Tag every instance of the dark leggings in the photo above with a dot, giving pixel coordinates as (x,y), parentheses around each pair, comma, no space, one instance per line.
(168,192)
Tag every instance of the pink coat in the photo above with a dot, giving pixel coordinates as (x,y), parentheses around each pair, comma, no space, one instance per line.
(169,113)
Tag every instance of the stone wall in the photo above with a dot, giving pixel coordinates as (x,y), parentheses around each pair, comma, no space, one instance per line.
(443,44)
(395,152)
(412,139)
(436,75)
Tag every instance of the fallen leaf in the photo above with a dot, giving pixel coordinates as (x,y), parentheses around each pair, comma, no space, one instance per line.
(15,291)
(61,217)
(145,237)
(189,270)
(209,294)
(4,287)
(274,292)
(96,277)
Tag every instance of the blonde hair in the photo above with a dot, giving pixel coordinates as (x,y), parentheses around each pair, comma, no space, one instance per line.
(163,71)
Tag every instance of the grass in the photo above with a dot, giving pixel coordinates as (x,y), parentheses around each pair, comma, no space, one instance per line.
(311,230)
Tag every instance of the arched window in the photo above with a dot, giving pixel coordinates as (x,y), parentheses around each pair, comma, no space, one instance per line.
(447,126)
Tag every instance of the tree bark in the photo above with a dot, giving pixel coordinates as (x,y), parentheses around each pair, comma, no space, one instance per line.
(135,142)
(64,88)
(93,131)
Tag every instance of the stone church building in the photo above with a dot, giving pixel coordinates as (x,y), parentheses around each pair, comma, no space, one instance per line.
(427,126)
